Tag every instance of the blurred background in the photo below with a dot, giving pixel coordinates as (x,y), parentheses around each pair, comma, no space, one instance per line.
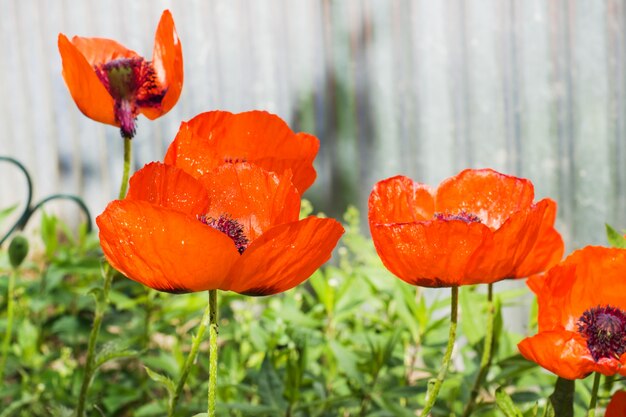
(534,88)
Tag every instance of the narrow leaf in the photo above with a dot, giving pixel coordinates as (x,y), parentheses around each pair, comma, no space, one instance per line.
(506,405)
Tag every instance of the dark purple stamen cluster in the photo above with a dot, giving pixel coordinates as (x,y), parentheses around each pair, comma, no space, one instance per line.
(463,216)
(132,84)
(231,227)
(234,160)
(604,328)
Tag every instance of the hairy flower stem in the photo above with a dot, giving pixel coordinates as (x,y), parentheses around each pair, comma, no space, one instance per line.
(485,360)
(126,173)
(195,345)
(213,330)
(102,300)
(594,395)
(6,342)
(433,389)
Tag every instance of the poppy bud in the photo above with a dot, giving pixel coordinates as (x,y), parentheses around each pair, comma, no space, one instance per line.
(18,249)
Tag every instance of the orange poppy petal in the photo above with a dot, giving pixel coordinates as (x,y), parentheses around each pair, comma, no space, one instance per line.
(565,354)
(548,249)
(429,254)
(510,247)
(589,277)
(88,92)
(256,198)
(491,196)
(284,257)
(617,405)
(167,59)
(400,200)
(168,186)
(210,139)
(98,51)
(164,249)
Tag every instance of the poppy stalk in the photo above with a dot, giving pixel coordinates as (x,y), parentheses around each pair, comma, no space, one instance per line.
(479,226)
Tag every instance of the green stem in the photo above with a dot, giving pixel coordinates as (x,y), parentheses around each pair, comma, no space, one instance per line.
(562,399)
(126,172)
(195,345)
(433,390)
(485,360)
(101,304)
(6,342)
(213,330)
(594,395)
(149,307)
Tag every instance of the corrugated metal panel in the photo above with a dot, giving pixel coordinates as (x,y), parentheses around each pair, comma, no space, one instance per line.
(425,88)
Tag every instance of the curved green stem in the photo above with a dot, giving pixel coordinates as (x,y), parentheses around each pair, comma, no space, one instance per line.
(70,197)
(29,210)
(594,395)
(29,197)
(191,357)
(6,342)
(101,305)
(433,390)
(485,360)
(213,330)
(128,150)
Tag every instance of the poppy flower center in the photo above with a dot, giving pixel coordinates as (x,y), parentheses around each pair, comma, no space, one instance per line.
(462,215)
(230,227)
(604,328)
(132,84)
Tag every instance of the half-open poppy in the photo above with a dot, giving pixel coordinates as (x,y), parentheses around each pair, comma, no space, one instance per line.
(235,228)
(112,84)
(213,138)
(582,315)
(617,405)
(479,226)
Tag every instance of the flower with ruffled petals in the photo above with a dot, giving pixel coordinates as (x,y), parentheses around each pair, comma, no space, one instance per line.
(479,226)
(582,315)
(617,405)
(112,84)
(234,228)
(216,137)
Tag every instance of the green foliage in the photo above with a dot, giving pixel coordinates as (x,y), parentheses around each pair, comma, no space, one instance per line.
(616,239)
(352,341)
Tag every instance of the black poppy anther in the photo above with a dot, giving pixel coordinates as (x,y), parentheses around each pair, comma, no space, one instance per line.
(462,215)
(604,329)
(230,227)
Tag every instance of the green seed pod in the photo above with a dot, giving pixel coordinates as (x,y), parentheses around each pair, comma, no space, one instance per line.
(18,249)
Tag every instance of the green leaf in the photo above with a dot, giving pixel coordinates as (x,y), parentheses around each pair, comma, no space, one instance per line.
(16,405)
(271,387)
(506,405)
(6,212)
(163,380)
(615,239)
(111,351)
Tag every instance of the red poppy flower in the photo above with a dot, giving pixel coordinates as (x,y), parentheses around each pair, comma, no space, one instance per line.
(210,139)
(582,315)
(477,227)
(235,228)
(112,84)
(617,405)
